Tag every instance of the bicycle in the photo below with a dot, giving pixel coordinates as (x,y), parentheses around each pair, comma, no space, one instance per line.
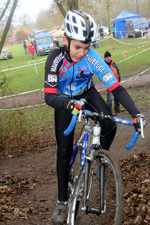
(96,189)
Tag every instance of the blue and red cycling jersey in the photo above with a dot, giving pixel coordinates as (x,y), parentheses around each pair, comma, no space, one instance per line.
(65,80)
(69,79)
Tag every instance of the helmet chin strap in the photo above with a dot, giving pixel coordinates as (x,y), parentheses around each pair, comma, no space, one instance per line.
(67,49)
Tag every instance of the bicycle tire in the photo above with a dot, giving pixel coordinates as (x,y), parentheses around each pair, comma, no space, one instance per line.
(76,166)
(113,194)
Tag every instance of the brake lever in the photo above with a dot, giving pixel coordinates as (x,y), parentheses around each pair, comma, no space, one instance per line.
(142,130)
(80,115)
(142,124)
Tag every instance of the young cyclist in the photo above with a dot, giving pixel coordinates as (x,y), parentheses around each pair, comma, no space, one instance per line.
(68,78)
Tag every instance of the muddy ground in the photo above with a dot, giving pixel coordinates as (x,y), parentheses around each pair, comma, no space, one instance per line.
(28,182)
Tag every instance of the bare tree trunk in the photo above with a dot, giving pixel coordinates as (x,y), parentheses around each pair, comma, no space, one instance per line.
(69,4)
(8,24)
(108,5)
(74,4)
(149,4)
(62,10)
(6,6)
(77,4)
(127,5)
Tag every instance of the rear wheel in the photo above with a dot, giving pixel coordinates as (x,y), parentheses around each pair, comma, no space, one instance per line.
(104,202)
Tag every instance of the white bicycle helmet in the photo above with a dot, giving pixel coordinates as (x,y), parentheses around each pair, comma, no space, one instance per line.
(80,26)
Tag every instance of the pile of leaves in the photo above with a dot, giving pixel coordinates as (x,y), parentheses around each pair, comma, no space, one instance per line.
(10,187)
(136,177)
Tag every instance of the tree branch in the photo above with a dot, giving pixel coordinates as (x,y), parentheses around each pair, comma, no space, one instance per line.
(6,6)
(62,10)
(8,24)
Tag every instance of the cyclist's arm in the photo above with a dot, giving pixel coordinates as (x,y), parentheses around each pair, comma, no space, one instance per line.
(56,101)
(103,71)
(51,81)
(124,98)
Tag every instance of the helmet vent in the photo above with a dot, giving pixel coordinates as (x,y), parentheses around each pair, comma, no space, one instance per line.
(74,19)
(92,25)
(68,27)
(84,33)
(91,33)
(82,24)
(76,29)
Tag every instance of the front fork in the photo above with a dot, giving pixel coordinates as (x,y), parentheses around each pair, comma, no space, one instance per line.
(102,183)
(100,173)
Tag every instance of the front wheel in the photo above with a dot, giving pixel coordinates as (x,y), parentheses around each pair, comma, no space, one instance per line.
(104,196)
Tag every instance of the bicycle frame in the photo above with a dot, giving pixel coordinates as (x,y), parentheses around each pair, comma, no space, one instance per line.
(85,138)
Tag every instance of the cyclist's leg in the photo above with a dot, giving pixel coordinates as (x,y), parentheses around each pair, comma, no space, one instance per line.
(64,151)
(109,99)
(108,127)
(116,105)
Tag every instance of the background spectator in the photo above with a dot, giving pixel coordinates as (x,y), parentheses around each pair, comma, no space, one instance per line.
(31,49)
(25,47)
(115,70)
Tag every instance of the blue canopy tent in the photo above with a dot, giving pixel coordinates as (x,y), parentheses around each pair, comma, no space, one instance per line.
(119,22)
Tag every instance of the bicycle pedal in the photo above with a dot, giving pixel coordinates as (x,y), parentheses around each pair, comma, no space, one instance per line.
(92,210)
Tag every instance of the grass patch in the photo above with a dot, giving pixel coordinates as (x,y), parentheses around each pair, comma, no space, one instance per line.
(30,76)
(138,51)
(141,96)
(27,129)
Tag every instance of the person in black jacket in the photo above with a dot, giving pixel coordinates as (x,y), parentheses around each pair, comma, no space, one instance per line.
(116,72)
(25,47)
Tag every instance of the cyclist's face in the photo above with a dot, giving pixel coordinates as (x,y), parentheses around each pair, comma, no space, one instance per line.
(77,49)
